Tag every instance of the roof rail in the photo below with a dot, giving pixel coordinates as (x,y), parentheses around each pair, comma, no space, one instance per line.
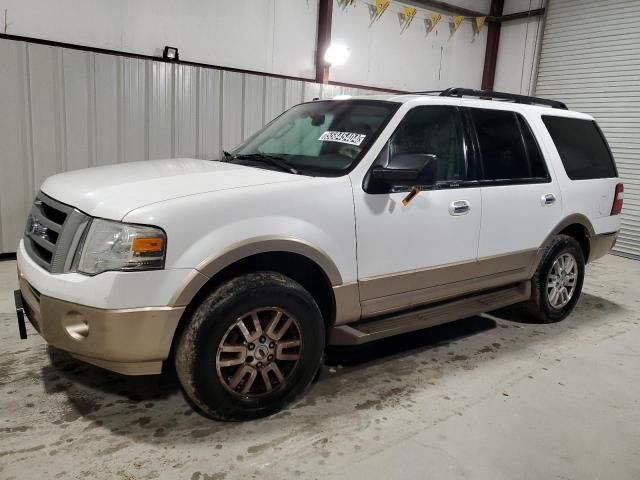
(490,95)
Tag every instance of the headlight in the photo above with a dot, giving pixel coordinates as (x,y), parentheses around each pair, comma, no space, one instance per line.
(121,246)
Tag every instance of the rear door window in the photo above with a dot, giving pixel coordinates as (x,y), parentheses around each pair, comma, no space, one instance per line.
(508,149)
(582,148)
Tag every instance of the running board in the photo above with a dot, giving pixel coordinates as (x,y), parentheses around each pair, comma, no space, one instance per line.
(374,329)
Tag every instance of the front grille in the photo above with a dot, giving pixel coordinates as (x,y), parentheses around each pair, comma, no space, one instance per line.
(53,232)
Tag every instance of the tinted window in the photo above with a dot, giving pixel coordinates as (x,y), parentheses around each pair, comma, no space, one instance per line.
(435,133)
(582,148)
(508,148)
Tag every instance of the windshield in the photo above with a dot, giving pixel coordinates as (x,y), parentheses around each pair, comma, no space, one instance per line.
(322,137)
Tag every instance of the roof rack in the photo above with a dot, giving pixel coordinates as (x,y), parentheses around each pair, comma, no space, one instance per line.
(490,95)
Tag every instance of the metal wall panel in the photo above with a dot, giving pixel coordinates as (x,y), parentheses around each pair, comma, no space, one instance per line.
(590,59)
(274,97)
(186,111)
(63,109)
(232,114)
(134,118)
(253,104)
(107,83)
(16,166)
(161,110)
(210,113)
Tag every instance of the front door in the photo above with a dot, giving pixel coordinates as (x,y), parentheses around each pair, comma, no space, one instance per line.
(425,251)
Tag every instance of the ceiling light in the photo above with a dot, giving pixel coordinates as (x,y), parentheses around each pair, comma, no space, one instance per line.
(336,54)
(170,53)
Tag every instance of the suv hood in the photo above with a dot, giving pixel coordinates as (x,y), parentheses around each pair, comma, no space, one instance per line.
(114,190)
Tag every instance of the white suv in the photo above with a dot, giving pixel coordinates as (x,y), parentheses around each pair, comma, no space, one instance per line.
(341,222)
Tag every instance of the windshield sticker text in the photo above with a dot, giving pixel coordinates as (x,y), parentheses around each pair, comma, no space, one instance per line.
(342,137)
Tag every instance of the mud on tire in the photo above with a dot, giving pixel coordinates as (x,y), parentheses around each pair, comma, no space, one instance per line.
(250,347)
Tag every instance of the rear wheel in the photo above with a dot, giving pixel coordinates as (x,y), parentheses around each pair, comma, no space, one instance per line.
(557,283)
(251,347)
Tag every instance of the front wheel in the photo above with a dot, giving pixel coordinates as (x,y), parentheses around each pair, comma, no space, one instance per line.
(251,347)
(557,283)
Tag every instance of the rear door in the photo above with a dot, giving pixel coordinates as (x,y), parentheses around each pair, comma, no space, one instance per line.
(521,200)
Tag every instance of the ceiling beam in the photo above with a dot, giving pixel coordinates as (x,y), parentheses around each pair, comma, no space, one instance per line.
(493,42)
(447,7)
(515,16)
(325,13)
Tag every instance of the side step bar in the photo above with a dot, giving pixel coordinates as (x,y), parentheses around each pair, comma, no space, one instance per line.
(374,329)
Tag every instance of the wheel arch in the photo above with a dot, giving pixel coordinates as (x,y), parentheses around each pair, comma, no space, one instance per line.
(580,233)
(297,259)
(577,226)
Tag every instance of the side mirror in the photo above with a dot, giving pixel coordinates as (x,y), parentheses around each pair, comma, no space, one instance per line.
(405,170)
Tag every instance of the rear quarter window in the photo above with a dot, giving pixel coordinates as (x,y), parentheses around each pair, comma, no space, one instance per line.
(582,148)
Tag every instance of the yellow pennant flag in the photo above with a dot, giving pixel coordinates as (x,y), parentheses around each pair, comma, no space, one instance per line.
(434,18)
(408,14)
(457,21)
(381,6)
(480,23)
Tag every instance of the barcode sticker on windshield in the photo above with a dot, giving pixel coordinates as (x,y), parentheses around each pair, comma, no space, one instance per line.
(343,137)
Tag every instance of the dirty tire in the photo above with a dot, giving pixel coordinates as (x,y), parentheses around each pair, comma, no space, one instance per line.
(538,307)
(209,326)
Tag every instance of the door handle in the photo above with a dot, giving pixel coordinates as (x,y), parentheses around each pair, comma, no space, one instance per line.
(548,199)
(459,207)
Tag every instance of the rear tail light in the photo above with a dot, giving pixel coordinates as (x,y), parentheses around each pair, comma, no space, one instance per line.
(618,198)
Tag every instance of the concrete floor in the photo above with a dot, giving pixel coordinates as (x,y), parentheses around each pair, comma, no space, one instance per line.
(481,398)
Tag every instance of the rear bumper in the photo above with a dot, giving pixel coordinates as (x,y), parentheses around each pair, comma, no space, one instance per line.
(131,341)
(601,244)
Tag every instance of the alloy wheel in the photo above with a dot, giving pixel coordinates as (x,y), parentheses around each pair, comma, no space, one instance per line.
(562,280)
(259,352)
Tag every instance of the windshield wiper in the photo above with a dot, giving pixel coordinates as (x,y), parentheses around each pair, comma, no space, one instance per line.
(228,156)
(281,163)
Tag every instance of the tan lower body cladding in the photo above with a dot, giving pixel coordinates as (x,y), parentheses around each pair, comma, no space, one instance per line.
(130,341)
(396,292)
(400,291)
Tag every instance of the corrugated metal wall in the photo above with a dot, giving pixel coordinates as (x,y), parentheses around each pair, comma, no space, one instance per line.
(63,109)
(590,59)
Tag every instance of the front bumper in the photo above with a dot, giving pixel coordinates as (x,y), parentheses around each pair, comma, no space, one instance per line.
(111,290)
(132,341)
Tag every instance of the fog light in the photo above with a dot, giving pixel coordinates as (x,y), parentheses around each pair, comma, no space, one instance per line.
(76,325)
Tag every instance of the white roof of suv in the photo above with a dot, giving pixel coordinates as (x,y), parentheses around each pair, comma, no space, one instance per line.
(479,98)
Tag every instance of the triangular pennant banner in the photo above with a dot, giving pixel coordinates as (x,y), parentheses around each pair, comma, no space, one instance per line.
(346,3)
(457,21)
(408,13)
(480,23)
(434,18)
(381,6)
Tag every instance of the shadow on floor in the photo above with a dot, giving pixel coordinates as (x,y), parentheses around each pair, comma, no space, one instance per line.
(127,404)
